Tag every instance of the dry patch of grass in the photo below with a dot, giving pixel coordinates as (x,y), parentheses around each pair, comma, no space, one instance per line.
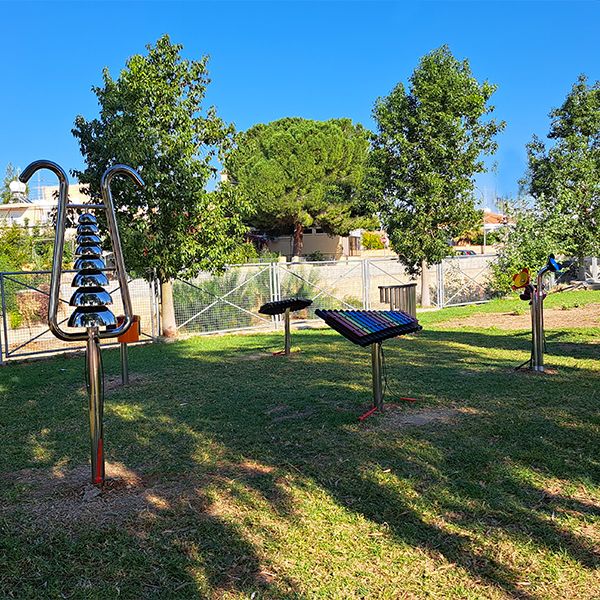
(554,318)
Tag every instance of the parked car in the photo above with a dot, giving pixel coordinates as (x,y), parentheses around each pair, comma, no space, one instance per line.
(464,252)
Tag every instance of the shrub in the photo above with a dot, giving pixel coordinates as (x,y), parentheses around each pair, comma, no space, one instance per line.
(526,244)
(316,256)
(371,240)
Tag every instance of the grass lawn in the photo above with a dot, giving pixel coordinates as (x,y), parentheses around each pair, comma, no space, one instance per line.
(241,475)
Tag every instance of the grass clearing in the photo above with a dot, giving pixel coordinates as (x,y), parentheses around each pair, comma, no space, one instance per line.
(243,474)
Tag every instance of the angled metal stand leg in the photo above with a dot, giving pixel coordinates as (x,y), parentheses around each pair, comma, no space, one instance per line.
(96,406)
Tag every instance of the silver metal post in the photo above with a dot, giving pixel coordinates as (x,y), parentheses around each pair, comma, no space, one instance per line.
(534,327)
(538,345)
(377,376)
(96,405)
(288,336)
(124,364)
(4,320)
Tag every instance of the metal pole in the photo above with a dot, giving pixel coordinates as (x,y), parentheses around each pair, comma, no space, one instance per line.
(366,277)
(441,300)
(96,405)
(4,319)
(124,364)
(538,346)
(534,351)
(288,337)
(377,381)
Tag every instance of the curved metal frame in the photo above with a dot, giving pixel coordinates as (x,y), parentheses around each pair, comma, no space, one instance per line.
(59,238)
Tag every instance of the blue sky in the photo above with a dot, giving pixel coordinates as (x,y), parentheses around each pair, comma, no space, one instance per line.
(317,60)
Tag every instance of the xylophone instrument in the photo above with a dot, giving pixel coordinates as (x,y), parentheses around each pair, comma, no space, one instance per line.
(371,327)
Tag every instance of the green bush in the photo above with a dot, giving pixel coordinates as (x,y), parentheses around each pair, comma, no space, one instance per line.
(525,244)
(316,256)
(15,319)
(371,240)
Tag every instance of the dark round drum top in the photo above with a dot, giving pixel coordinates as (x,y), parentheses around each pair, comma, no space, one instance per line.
(280,306)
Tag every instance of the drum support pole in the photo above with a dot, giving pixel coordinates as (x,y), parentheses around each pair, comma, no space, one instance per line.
(288,336)
(124,364)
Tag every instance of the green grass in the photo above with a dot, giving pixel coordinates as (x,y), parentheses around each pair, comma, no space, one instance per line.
(258,478)
(561,300)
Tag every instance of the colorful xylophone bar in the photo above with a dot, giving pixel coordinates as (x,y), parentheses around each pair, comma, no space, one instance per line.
(365,327)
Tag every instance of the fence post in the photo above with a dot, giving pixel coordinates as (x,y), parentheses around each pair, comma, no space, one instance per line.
(275,288)
(3,336)
(152,299)
(441,300)
(366,275)
(594,268)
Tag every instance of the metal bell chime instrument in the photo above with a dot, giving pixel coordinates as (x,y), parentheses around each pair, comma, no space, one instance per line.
(90,299)
(534,293)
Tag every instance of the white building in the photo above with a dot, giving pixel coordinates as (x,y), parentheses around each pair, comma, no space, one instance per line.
(20,210)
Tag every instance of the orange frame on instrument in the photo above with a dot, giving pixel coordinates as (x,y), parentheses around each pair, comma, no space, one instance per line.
(133,333)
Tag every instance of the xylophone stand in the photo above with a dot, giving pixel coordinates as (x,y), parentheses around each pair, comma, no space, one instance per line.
(377,376)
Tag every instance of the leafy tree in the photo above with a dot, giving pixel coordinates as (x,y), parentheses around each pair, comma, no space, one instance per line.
(525,243)
(564,179)
(426,151)
(152,118)
(300,173)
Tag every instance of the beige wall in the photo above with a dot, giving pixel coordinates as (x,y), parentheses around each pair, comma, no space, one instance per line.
(22,214)
(331,246)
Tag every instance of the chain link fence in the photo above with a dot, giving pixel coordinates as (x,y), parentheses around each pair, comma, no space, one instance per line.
(24,296)
(230,301)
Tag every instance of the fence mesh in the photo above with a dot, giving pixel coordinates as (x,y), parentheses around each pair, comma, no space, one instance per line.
(25,297)
(230,301)
(226,302)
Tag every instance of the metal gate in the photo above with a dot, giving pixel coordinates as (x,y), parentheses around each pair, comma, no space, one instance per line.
(464,280)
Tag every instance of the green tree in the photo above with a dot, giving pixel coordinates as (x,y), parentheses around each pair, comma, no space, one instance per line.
(427,149)
(11,174)
(527,242)
(564,179)
(299,173)
(152,118)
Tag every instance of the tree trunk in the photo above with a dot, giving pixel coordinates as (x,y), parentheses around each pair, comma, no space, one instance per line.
(298,240)
(167,309)
(425,295)
(581,263)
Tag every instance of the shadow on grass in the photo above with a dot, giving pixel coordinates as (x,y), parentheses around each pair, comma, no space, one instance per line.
(443,489)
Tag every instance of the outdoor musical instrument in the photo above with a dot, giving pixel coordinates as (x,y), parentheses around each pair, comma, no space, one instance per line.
(90,299)
(371,328)
(285,307)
